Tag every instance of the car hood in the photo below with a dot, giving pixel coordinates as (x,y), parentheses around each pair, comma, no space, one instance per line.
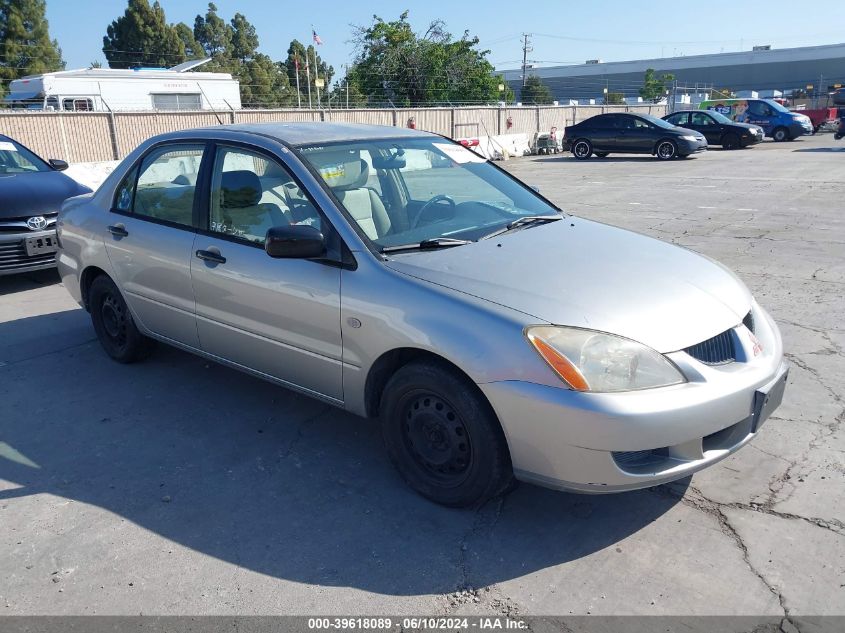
(586,274)
(35,193)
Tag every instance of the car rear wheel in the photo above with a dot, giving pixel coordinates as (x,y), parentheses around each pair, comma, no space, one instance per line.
(582,149)
(602,154)
(666,150)
(781,134)
(730,141)
(443,437)
(114,325)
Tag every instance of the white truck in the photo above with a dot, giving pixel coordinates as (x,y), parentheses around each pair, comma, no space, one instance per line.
(137,89)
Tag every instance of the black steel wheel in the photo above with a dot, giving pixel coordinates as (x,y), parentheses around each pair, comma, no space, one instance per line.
(443,436)
(730,141)
(113,323)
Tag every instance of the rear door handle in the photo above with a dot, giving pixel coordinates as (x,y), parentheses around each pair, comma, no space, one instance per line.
(118,230)
(211,256)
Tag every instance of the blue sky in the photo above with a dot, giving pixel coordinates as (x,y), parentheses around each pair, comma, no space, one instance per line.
(564,32)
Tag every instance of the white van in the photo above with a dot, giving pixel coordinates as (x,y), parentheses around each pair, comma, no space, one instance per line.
(138,89)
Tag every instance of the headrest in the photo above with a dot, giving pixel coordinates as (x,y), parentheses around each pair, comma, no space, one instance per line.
(343,171)
(240,188)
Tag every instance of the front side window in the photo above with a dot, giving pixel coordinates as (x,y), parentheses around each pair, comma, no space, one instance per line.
(16,159)
(699,118)
(251,193)
(165,187)
(430,188)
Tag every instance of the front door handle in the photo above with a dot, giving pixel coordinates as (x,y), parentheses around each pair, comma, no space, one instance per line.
(118,230)
(211,256)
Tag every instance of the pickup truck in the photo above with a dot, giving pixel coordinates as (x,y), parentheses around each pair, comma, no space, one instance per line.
(819,116)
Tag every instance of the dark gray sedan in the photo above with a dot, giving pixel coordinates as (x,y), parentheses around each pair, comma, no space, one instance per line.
(31,192)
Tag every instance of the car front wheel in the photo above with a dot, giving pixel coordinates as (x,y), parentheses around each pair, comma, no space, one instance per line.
(443,437)
(113,323)
(582,149)
(730,141)
(781,134)
(666,150)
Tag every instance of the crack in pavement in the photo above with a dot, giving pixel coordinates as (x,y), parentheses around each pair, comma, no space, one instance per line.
(465,593)
(300,431)
(12,363)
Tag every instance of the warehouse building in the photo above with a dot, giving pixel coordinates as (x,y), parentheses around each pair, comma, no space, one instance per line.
(763,68)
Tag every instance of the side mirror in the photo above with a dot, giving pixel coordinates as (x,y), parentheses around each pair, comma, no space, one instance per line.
(58,165)
(535,188)
(296,241)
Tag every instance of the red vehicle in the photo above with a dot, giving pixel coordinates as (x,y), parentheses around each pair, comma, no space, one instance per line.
(819,116)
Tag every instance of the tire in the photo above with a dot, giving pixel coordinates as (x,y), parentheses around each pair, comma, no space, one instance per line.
(666,150)
(582,149)
(837,136)
(443,437)
(731,141)
(781,134)
(114,325)
(602,154)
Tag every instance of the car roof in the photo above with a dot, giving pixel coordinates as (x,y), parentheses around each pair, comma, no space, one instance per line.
(310,133)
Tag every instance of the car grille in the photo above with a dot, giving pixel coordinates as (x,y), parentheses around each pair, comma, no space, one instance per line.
(18,225)
(748,321)
(13,257)
(715,351)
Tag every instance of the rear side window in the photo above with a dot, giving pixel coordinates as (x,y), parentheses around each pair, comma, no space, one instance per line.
(164,186)
(678,119)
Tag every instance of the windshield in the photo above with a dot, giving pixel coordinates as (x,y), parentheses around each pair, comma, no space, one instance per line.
(408,191)
(776,105)
(16,159)
(656,121)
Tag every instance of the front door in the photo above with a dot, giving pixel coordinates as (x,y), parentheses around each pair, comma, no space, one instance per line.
(280,317)
(708,126)
(150,239)
(635,134)
(759,113)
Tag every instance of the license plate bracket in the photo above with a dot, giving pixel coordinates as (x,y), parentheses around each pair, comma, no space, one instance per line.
(767,399)
(41,245)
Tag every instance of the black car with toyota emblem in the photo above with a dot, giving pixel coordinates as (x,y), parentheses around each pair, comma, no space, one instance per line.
(31,192)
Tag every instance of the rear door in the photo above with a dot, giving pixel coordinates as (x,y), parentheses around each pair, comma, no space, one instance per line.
(280,317)
(602,132)
(150,237)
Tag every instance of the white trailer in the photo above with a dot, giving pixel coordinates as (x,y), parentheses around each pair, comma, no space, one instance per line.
(137,89)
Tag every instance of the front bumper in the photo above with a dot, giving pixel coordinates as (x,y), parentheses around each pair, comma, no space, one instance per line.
(13,257)
(611,442)
(685,148)
(797,129)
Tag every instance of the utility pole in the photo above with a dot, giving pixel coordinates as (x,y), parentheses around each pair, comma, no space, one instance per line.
(526,48)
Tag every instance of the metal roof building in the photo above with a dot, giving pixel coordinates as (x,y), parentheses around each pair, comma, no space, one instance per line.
(781,69)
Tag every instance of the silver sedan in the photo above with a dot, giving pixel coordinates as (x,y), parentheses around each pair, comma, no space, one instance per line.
(398,275)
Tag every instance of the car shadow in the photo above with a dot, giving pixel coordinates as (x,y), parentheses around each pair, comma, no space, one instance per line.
(247,472)
(10,284)
(822,149)
(632,158)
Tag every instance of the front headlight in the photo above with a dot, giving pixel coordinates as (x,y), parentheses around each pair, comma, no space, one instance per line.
(594,361)
(690,137)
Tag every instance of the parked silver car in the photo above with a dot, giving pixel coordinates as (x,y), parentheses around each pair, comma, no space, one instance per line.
(397,274)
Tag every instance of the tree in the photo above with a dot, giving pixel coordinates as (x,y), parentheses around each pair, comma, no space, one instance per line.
(142,37)
(396,65)
(614,98)
(654,87)
(213,33)
(193,49)
(244,38)
(536,92)
(25,44)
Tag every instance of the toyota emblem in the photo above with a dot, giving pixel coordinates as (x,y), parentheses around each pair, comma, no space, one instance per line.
(37,223)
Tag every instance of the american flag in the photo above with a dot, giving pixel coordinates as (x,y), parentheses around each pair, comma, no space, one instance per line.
(316,37)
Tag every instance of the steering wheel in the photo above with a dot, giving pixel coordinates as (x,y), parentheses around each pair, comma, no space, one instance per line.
(432,201)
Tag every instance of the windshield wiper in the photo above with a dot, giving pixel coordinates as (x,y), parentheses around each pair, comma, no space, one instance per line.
(523,221)
(434,242)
